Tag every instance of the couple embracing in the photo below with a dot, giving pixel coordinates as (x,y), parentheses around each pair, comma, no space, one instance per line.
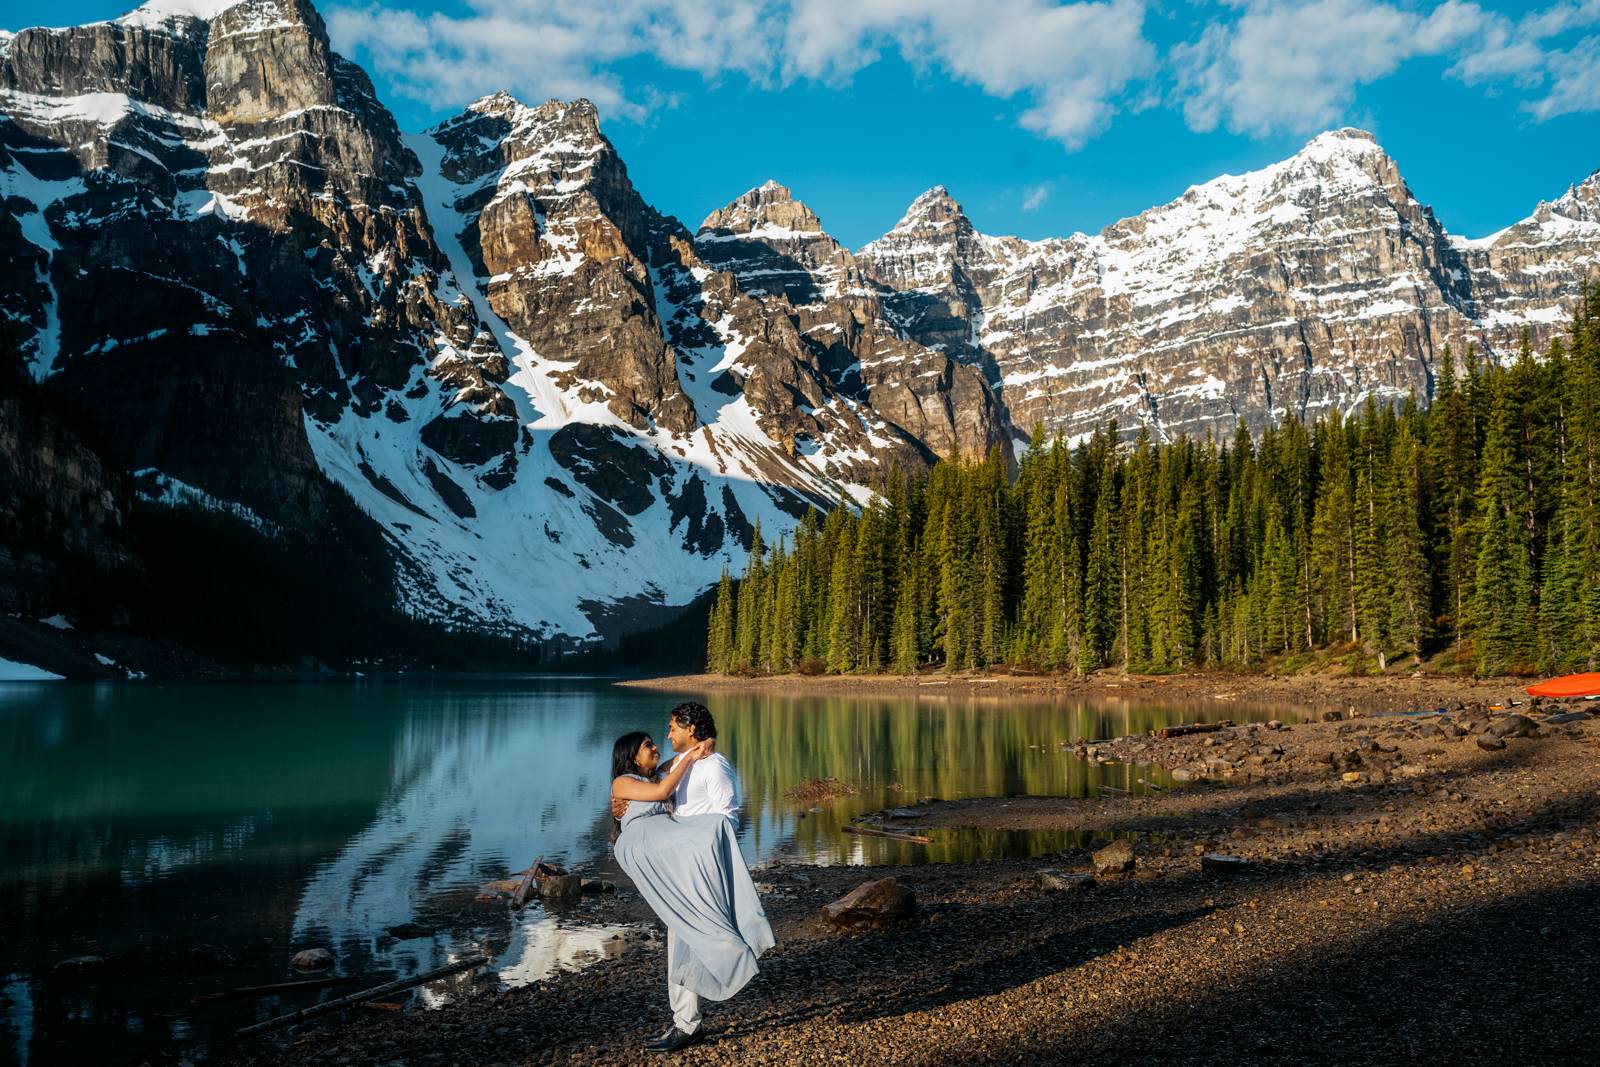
(677,842)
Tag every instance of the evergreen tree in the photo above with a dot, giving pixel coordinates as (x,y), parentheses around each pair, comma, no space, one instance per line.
(1503,597)
(719,634)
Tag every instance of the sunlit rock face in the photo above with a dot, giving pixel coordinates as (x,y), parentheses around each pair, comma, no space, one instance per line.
(566,412)
(1307,286)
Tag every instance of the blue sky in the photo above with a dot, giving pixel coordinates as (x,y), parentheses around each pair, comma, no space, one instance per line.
(1042,118)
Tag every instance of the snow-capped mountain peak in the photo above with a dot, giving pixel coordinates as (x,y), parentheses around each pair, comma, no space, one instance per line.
(156,12)
(554,401)
(768,211)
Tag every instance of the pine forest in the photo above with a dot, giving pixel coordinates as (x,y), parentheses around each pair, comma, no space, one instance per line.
(1468,530)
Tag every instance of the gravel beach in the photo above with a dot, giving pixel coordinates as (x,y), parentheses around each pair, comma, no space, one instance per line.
(1380,889)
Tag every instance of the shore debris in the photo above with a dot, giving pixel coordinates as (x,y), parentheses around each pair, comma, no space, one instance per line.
(1194,728)
(893,835)
(820,790)
(330,1006)
(249,991)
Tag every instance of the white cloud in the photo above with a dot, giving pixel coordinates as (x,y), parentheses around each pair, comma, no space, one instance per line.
(561,48)
(1295,65)
(1070,61)
(1574,82)
(1262,67)
(1034,197)
(1069,64)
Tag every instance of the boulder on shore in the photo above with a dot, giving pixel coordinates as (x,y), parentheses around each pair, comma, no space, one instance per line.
(872,904)
(1115,858)
(311,959)
(1055,881)
(560,888)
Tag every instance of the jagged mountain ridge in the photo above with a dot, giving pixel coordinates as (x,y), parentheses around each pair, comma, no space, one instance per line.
(1307,286)
(561,406)
(553,408)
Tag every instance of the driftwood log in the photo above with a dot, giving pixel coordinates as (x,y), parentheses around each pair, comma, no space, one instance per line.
(530,878)
(245,992)
(329,1006)
(867,831)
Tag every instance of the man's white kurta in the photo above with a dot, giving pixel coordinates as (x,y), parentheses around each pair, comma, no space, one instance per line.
(709,787)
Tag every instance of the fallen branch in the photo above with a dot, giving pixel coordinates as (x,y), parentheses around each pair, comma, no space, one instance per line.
(244,992)
(1193,728)
(866,831)
(529,878)
(330,1006)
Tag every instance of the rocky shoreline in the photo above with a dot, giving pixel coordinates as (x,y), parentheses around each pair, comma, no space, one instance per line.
(1380,888)
(1323,691)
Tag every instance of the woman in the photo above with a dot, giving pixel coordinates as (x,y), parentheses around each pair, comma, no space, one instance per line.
(690,871)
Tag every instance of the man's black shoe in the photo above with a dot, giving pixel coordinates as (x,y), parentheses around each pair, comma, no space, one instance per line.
(674,1041)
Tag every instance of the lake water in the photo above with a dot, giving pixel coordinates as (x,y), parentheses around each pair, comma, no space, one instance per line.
(139,823)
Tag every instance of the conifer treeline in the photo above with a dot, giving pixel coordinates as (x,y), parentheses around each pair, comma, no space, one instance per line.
(1474,523)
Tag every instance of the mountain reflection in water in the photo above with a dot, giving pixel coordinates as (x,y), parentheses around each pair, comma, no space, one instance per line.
(140,822)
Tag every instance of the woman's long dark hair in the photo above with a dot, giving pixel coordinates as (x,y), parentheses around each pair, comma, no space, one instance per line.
(625,751)
(623,754)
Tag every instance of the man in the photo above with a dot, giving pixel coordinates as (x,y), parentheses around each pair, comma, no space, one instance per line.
(710,787)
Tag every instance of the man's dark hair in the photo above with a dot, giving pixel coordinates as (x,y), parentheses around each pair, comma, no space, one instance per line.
(697,717)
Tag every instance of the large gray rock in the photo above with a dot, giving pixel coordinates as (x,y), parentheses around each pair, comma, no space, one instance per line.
(875,903)
(1115,858)
(311,959)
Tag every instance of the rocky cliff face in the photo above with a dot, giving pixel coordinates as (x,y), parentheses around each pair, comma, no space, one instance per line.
(562,407)
(1307,286)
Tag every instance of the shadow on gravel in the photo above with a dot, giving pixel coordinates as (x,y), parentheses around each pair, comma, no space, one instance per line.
(1510,982)
(897,959)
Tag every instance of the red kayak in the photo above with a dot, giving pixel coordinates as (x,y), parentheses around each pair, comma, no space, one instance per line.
(1568,685)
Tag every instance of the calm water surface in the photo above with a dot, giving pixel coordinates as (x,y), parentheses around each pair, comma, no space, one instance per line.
(141,822)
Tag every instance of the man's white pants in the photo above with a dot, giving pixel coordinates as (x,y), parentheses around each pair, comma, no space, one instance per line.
(685,1004)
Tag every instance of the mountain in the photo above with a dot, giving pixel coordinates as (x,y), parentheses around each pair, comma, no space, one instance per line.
(558,415)
(1307,286)
(564,413)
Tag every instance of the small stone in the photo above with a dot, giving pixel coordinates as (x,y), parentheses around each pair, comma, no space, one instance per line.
(311,959)
(1466,870)
(1351,776)
(1115,858)
(874,903)
(1490,743)
(407,931)
(1182,774)
(1220,863)
(560,888)
(598,885)
(1514,726)
(1055,881)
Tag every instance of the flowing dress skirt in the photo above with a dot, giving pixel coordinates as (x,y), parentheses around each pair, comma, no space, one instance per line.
(691,873)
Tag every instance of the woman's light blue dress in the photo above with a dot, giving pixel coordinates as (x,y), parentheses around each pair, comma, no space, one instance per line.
(691,873)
